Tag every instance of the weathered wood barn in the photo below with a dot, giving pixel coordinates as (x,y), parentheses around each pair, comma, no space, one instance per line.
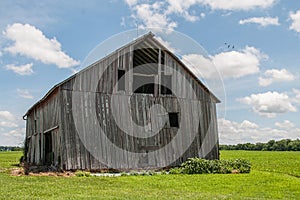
(138,107)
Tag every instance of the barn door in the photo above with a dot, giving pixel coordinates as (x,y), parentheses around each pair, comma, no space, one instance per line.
(48,148)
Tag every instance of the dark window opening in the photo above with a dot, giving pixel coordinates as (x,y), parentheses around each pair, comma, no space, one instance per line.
(143,84)
(166,84)
(162,58)
(40,147)
(35,126)
(121,80)
(173,119)
(146,89)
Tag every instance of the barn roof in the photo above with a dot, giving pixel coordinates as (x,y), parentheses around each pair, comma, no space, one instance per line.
(136,41)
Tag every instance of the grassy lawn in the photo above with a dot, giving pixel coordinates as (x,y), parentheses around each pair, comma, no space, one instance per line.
(274,176)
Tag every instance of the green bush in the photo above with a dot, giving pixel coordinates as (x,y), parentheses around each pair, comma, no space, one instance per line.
(176,170)
(82,174)
(202,166)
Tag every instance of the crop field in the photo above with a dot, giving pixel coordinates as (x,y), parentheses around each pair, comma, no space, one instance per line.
(274,175)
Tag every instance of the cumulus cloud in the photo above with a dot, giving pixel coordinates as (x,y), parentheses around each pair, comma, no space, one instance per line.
(269,104)
(7,119)
(232,132)
(14,137)
(8,124)
(131,2)
(286,124)
(200,65)
(31,42)
(21,69)
(24,94)
(275,75)
(237,4)
(295,17)
(297,96)
(6,115)
(152,15)
(182,7)
(20,132)
(231,64)
(157,13)
(262,21)
(11,129)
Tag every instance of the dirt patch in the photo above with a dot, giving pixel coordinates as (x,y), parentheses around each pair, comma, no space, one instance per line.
(56,174)
(17,172)
(21,172)
(235,171)
(34,170)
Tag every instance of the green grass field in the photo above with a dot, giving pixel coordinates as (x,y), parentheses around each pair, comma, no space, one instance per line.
(275,175)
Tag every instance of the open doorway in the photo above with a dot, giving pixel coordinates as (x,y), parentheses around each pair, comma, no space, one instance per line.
(48,149)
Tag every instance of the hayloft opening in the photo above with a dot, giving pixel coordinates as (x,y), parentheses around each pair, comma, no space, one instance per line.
(146,56)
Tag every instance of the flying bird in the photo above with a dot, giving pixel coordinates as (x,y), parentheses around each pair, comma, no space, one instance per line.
(229,45)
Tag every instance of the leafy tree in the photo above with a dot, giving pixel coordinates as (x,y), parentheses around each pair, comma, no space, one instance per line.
(272,145)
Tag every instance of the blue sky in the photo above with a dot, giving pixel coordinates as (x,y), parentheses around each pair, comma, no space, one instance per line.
(43,43)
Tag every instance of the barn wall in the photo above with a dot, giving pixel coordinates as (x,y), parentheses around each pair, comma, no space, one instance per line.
(78,157)
(44,120)
(98,81)
(89,83)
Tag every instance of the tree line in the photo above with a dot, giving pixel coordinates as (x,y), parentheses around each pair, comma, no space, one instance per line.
(11,148)
(272,145)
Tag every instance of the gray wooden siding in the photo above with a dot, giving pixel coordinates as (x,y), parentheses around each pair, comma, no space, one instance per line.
(44,119)
(69,150)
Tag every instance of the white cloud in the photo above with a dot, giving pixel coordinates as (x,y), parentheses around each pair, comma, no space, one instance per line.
(232,132)
(11,131)
(182,7)
(14,137)
(7,119)
(31,42)
(237,64)
(231,64)
(153,15)
(20,132)
(237,4)
(296,99)
(8,124)
(6,115)
(286,124)
(275,75)
(248,125)
(21,70)
(158,13)
(24,94)
(269,104)
(131,2)
(200,65)
(295,17)
(263,21)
